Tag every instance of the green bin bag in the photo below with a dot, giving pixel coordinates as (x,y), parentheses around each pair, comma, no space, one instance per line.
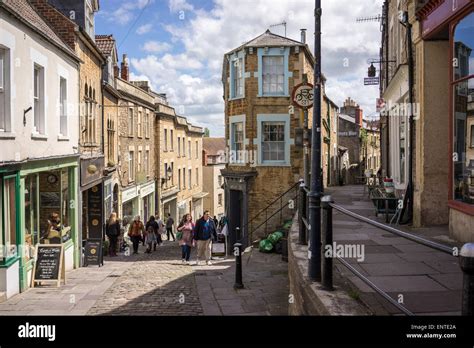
(275,237)
(265,246)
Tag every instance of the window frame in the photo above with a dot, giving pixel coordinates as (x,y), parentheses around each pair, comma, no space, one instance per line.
(131,119)
(288,142)
(274,52)
(63,107)
(39,99)
(131,166)
(235,159)
(5,87)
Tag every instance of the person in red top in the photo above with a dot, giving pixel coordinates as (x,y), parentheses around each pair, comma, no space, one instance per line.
(135,232)
(186,227)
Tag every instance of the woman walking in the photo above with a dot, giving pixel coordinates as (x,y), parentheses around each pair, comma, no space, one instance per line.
(185,229)
(135,232)
(151,234)
(112,230)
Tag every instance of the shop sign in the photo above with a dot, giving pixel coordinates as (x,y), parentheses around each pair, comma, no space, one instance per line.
(49,264)
(91,170)
(93,253)
(129,194)
(148,189)
(95,212)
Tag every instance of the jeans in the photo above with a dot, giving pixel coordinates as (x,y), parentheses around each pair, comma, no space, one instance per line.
(185,252)
(136,242)
(168,231)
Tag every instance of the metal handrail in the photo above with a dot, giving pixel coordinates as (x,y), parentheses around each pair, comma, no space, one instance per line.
(412,237)
(375,287)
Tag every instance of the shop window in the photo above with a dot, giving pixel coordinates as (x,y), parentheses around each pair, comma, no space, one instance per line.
(9,214)
(32,227)
(463,113)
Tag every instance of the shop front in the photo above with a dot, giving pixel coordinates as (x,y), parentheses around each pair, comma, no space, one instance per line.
(38,206)
(453,21)
(130,204)
(147,199)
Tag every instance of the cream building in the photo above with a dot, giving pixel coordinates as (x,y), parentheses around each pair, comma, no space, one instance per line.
(213,181)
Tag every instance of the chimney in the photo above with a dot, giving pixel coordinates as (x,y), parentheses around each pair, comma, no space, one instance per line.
(124,68)
(116,71)
(303,36)
(359,116)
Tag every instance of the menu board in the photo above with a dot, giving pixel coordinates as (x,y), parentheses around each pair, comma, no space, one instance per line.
(48,263)
(93,253)
(94,209)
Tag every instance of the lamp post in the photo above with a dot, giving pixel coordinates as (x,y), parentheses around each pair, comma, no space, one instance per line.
(314,266)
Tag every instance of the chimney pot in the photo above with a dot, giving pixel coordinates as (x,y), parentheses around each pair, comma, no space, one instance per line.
(303,36)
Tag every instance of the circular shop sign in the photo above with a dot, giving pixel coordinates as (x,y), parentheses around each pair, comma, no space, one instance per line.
(303,96)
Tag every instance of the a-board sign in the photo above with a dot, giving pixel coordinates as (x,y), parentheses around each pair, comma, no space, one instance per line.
(49,264)
(93,253)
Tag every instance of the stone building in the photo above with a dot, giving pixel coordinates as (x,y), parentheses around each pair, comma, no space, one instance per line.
(443,91)
(329,150)
(213,157)
(263,161)
(179,163)
(39,129)
(136,146)
(350,166)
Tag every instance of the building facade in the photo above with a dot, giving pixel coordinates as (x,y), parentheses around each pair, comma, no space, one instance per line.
(442,158)
(213,157)
(263,160)
(39,128)
(179,167)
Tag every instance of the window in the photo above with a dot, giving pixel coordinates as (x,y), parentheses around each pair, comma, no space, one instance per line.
(197,150)
(197,176)
(4,91)
(238,141)
(139,125)
(90,20)
(63,106)
(179,179)
(184,178)
(171,140)
(273,75)
(273,141)
(219,199)
(184,147)
(189,149)
(179,147)
(147,125)
(139,169)
(219,180)
(165,174)
(172,173)
(147,162)
(463,119)
(131,166)
(237,76)
(38,96)
(165,139)
(9,214)
(130,122)
(110,141)
(190,178)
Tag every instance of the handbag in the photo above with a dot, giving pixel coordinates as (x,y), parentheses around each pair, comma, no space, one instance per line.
(179,235)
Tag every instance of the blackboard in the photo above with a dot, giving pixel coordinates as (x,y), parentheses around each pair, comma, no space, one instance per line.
(49,265)
(93,253)
(95,205)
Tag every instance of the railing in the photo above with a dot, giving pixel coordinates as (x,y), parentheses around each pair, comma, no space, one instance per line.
(466,254)
(268,213)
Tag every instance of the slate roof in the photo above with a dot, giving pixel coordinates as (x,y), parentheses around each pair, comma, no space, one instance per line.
(213,146)
(269,39)
(105,43)
(26,13)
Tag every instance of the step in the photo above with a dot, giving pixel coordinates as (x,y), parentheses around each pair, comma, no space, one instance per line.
(3,297)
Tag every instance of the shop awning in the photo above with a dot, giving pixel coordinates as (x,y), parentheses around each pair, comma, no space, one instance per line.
(200,195)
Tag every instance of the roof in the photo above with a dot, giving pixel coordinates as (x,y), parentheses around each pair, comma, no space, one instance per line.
(347,118)
(269,39)
(213,146)
(24,12)
(105,43)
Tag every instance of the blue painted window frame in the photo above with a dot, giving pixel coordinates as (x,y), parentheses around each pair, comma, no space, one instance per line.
(288,141)
(274,51)
(232,59)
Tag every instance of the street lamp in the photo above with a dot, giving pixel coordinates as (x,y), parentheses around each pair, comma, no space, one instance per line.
(314,266)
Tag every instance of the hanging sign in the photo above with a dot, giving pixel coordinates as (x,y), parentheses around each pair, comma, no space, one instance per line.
(303,96)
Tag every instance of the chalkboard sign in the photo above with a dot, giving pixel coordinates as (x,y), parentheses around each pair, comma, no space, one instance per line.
(93,253)
(49,264)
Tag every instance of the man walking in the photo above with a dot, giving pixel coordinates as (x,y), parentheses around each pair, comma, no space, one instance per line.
(169,227)
(204,230)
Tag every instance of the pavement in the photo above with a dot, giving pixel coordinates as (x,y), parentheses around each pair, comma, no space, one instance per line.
(159,284)
(424,280)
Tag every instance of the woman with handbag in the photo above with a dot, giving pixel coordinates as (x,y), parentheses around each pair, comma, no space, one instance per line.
(185,237)
(135,232)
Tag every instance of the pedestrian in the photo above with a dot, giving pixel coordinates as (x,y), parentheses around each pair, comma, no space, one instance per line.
(203,232)
(169,227)
(112,230)
(185,237)
(151,234)
(135,232)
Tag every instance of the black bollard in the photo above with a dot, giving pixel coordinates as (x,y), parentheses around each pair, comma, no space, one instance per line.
(466,260)
(326,240)
(238,266)
(302,214)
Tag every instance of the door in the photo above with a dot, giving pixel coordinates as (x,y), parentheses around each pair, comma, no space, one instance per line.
(235,218)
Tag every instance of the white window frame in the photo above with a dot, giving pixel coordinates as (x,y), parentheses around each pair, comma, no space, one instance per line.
(38,99)
(269,92)
(5,113)
(234,160)
(283,118)
(63,107)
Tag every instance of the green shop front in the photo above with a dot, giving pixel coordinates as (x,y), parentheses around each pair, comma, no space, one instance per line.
(38,205)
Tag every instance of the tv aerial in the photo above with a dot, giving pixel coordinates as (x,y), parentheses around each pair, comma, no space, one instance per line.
(279,25)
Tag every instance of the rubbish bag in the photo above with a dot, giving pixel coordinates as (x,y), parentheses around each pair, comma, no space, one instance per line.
(288,224)
(275,237)
(265,246)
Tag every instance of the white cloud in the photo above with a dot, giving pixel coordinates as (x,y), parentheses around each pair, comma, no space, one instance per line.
(145,28)
(156,47)
(191,78)
(179,5)
(126,11)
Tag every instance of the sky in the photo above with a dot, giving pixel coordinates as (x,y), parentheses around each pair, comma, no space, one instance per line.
(179,45)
